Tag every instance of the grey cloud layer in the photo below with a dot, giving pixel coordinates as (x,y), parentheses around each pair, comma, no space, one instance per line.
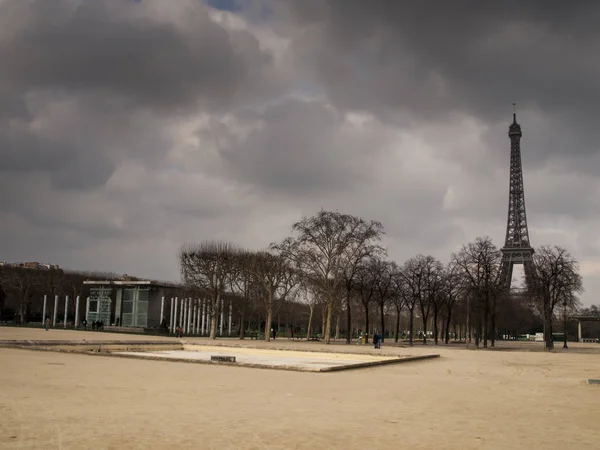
(128,128)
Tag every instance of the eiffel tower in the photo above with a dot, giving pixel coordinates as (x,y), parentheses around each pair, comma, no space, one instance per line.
(517,248)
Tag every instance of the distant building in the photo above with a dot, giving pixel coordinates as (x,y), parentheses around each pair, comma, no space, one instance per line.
(129,302)
(33,265)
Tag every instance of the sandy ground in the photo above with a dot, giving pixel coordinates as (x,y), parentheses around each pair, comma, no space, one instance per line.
(465,399)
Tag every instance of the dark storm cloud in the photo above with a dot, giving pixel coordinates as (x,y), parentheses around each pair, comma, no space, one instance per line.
(91,47)
(433,57)
(297,147)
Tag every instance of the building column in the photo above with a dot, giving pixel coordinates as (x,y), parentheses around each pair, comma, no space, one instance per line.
(188,302)
(87,309)
(209,314)
(579,338)
(221,324)
(44,311)
(175,317)
(187,315)
(66,309)
(162,310)
(195,317)
(171,317)
(76,320)
(55,311)
(119,305)
(181,313)
(202,321)
(230,314)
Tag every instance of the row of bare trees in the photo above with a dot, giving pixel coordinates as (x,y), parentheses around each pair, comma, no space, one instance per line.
(337,261)
(22,289)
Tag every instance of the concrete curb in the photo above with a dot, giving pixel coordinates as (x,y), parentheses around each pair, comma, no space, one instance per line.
(361,365)
(103,348)
(31,343)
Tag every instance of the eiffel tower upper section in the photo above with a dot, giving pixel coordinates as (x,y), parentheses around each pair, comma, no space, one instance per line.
(517,248)
(517,232)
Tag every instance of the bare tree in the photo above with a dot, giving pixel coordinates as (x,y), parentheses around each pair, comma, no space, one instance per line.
(413,273)
(276,279)
(364,245)
(453,287)
(207,266)
(308,295)
(480,262)
(23,283)
(382,273)
(366,286)
(321,252)
(432,271)
(399,296)
(240,280)
(555,280)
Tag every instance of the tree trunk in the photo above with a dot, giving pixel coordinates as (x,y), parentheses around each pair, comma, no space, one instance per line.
(310,317)
(337,326)
(348,318)
(366,324)
(268,324)
(382,317)
(424,328)
(411,325)
(241,325)
(213,317)
(485,322)
(435,327)
(397,324)
(467,329)
(493,322)
(447,335)
(328,323)
(549,345)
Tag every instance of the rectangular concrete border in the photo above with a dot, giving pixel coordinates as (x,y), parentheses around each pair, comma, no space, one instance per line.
(96,349)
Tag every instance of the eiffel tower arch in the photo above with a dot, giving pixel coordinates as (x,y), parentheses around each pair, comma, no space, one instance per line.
(517,247)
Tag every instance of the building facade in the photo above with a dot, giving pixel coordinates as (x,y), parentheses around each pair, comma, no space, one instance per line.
(139,303)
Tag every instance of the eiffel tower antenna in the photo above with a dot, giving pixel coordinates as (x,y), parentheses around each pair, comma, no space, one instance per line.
(517,248)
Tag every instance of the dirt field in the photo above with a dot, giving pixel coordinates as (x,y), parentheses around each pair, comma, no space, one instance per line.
(465,399)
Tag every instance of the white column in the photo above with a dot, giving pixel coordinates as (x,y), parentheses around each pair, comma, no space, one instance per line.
(87,308)
(189,315)
(208,315)
(188,310)
(76,321)
(175,316)
(203,319)
(162,310)
(198,315)
(221,324)
(171,317)
(186,316)
(181,313)
(66,308)
(230,313)
(44,311)
(194,316)
(55,310)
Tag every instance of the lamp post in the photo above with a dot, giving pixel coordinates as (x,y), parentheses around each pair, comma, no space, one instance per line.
(565,324)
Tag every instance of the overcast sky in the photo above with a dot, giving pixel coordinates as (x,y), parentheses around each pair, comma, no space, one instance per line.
(130,127)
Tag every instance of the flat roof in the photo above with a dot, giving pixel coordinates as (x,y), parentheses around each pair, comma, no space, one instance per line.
(132,283)
(585,318)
